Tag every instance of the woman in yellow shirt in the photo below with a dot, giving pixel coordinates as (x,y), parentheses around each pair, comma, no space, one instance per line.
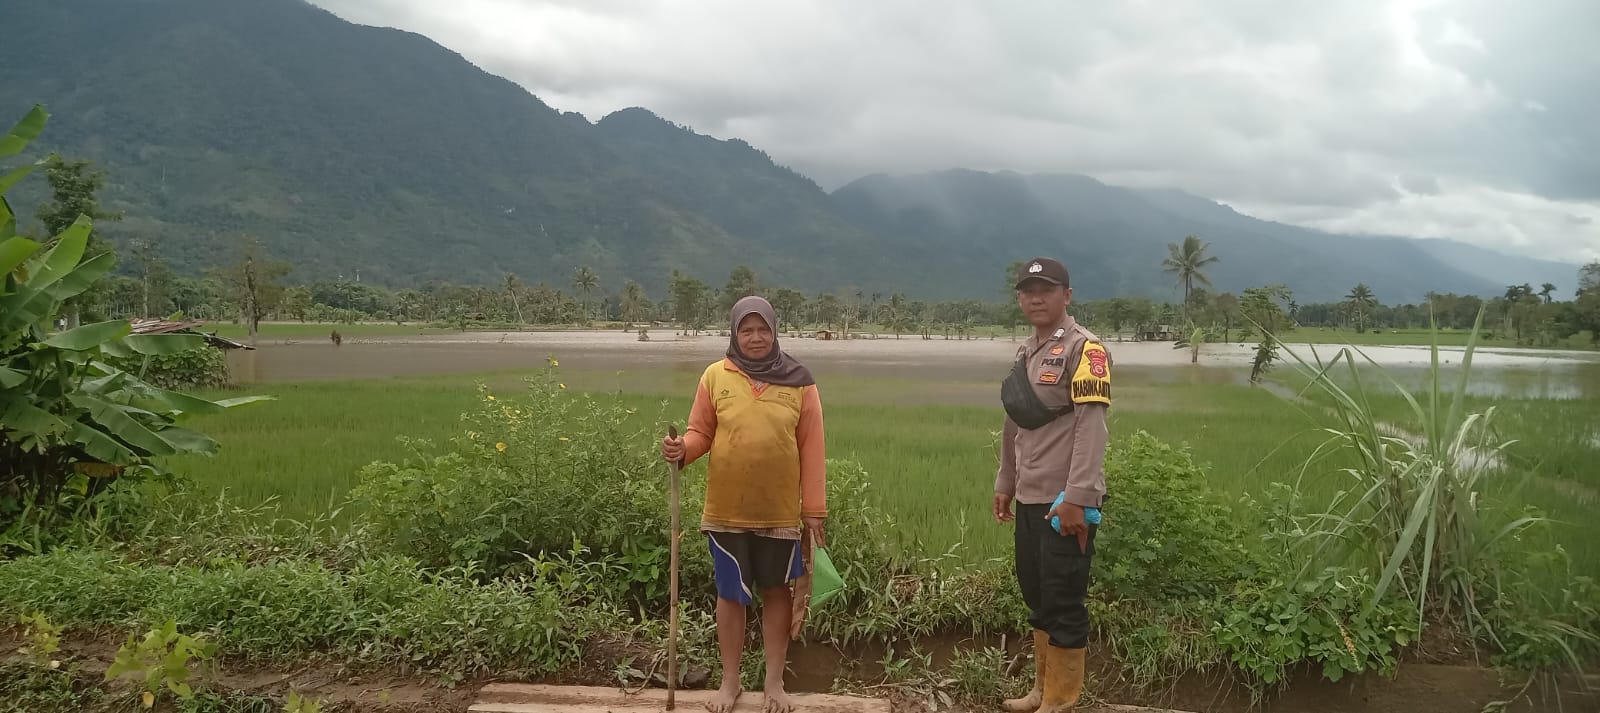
(759,417)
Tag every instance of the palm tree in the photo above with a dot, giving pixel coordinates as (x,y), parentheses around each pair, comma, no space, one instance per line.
(635,305)
(894,313)
(1185,261)
(1546,290)
(585,281)
(511,291)
(1361,303)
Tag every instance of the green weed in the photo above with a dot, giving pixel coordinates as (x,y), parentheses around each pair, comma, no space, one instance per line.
(384,612)
(1323,619)
(163,660)
(32,689)
(43,640)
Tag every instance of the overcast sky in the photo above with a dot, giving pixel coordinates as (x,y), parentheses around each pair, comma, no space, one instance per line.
(1477,120)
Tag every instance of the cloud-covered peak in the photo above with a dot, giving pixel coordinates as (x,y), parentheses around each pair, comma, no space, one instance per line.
(1472,120)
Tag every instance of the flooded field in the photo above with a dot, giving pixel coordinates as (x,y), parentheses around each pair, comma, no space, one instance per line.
(1501,373)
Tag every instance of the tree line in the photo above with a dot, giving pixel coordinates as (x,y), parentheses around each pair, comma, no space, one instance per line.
(252,288)
(1522,314)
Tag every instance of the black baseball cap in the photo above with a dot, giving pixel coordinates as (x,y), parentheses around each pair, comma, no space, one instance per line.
(1043,268)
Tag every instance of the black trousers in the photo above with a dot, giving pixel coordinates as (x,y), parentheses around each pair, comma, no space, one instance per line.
(1054,576)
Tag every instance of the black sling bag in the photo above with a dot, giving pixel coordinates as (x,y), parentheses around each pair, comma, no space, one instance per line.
(1022,404)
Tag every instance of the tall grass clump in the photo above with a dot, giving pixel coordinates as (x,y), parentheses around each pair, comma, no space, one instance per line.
(1420,510)
(539,473)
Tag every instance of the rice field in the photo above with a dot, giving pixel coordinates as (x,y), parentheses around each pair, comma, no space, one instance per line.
(931,448)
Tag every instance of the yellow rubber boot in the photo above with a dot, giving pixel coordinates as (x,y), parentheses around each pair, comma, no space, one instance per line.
(1064,684)
(1030,702)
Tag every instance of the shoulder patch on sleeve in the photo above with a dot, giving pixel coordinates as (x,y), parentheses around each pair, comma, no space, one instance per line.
(1091,382)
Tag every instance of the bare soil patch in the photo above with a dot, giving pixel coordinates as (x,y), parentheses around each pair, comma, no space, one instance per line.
(1417,687)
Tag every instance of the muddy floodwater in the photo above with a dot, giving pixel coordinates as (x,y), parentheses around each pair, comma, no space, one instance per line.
(1508,373)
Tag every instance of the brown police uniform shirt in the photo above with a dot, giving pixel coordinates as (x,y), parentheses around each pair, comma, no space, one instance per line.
(1070,366)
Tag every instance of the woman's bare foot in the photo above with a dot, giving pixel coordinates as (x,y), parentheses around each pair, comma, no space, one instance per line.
(725,697)
(777,698)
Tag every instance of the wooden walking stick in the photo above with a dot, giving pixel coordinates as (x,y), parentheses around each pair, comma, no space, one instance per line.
(672,587)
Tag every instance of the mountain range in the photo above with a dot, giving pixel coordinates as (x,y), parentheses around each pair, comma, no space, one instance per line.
(349,149)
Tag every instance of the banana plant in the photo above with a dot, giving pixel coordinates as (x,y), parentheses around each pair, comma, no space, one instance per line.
(1193,339)
(65,411)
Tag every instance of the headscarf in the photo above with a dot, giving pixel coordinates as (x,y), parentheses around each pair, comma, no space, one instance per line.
(776,368)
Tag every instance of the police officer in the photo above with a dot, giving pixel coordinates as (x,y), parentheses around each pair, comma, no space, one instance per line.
(1051,469)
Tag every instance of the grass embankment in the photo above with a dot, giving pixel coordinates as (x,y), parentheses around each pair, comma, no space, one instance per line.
(932,464)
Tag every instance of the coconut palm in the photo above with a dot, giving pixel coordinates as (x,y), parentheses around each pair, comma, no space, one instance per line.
(512,287)
(1361,303)
(585,281)
(893,314)
(1186,262)
(635,305)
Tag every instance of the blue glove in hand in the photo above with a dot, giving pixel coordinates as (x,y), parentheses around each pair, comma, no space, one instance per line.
(1090,515)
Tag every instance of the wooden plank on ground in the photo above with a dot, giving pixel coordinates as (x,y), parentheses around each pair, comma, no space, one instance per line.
(531,698)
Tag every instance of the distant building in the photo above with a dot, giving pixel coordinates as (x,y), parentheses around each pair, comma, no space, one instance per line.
(167,326)
(1155,333)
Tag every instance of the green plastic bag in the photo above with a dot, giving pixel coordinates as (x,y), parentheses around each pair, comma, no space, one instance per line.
(820,583)
(825,579)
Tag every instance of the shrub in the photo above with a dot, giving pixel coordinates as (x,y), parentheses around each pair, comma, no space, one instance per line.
(538,474)
(1165,536)
(199,368)
(1324,620)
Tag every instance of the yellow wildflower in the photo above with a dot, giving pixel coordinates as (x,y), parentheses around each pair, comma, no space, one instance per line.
(563,386)
(491,397)
(501,446)
(553,362)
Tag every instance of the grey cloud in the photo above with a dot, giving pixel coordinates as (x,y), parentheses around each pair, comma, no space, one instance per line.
(1426,185)
(1404,117)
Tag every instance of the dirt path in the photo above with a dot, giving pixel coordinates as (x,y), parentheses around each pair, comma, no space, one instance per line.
(1417,688)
